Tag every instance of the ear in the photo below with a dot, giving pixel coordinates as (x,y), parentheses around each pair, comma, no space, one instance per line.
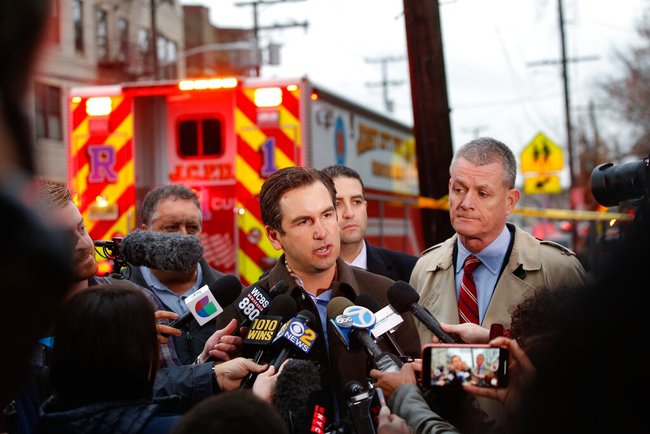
(512,197)
(274,237)
(143,227)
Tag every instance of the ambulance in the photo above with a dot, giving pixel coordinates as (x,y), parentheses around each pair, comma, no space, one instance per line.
(223,137)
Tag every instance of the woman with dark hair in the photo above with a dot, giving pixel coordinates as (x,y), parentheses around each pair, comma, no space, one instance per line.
(105,362)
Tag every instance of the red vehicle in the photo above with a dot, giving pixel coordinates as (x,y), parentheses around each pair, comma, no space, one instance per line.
(223,137)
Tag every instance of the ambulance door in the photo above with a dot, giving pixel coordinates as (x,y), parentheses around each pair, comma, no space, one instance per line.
(201,155)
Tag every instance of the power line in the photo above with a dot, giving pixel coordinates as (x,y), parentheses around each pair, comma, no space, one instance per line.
(385,82)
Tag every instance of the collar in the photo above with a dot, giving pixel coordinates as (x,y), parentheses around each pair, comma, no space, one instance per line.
(361,260)
(492,256)
(344,284)
(152,281)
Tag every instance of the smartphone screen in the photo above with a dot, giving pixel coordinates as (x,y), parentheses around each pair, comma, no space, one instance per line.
(457,364)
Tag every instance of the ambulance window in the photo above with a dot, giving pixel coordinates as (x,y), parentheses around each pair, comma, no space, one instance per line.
(199,138)
(187,139)
(211,137)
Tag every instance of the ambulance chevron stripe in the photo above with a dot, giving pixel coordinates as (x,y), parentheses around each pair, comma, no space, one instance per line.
(119,136)
(102,229)
(124,159)
(291,102)
(111,192)
(248,167)
(121,110)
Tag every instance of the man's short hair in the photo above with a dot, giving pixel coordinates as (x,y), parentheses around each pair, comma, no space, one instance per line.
(284,180)
(338,170)
(50,195)
(486,150)
(165,192)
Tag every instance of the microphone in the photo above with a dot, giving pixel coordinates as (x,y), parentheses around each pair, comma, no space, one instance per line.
(279,288)
(353,325)
(264,329)
(368,301)
(207,303)
(403,297)
(161,250)
(363,407)
(299,398)
(295,334)
(254,301)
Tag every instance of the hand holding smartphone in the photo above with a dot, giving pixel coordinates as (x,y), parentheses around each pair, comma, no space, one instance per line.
(457,364)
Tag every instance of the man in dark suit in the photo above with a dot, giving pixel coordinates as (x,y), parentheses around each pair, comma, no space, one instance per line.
(351,207)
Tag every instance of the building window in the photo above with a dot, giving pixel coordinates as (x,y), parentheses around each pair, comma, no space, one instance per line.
(102,35)
(53,32)
(123,35)
(167,58)
(77,18)
(48,119)
(143,41)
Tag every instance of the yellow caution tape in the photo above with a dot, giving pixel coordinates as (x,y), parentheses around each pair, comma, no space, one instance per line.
(550,213)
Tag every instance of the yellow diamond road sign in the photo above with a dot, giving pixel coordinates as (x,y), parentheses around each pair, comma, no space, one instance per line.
(541,155)
(542,184)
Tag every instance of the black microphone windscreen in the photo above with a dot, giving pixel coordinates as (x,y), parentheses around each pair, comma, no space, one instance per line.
(296,387)
(284,306)
(336,306)
(226,289)
(161,250)
(309,317)
(368,301)
(401,296)
(279,288)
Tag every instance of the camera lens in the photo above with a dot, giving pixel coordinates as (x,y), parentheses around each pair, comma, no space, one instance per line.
(612,184)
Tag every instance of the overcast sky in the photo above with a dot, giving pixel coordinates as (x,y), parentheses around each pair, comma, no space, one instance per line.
(488,47)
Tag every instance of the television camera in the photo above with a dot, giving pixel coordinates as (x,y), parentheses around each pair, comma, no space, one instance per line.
(110,249)
(611,184)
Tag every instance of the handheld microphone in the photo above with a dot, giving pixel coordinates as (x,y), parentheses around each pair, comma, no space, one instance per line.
(278,289)
(403,297)
(264,328)
(353,325)
(363,407)
(368,301)
(255,301)
(295,335)
(202,307)
(299,398)
(161,250)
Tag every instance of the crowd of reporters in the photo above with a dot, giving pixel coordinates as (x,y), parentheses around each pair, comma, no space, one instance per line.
(105,371)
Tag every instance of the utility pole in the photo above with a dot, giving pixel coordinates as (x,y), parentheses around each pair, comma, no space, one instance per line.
(384,83)
(256,27)
(432,127)
(154,39)
(567,105)
(567,110)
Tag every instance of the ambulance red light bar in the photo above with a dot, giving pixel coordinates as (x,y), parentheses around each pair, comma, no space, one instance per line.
(208,83)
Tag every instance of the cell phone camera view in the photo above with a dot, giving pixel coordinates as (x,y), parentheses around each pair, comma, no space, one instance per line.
(449,365)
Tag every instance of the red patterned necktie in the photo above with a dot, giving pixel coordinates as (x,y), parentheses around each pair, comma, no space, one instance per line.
(467,302)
